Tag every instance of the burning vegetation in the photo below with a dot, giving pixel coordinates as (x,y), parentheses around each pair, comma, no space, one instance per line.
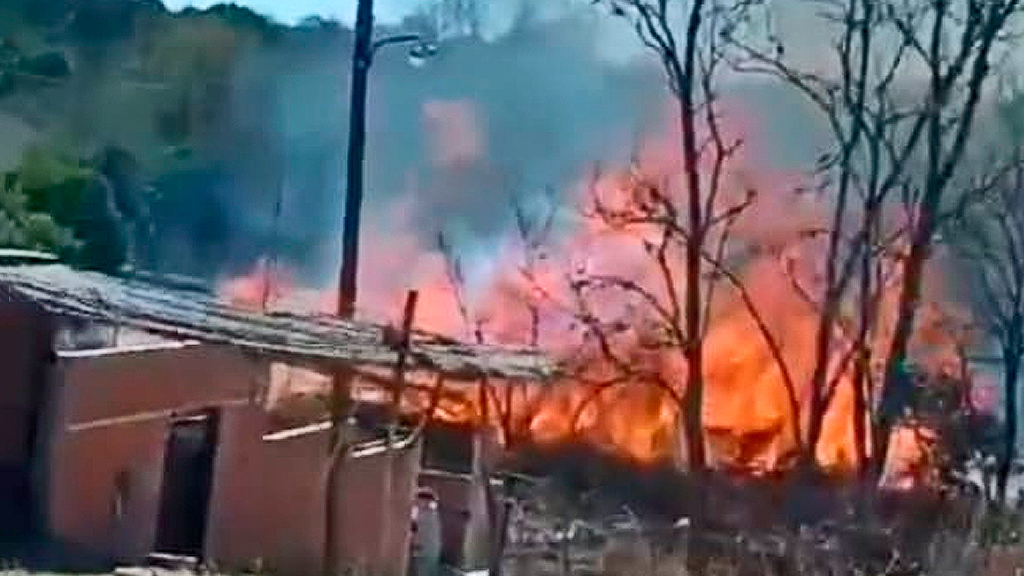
(594,284)
(731,336)
(769,333)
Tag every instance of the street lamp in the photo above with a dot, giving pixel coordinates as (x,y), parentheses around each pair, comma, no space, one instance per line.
(365,49)
(362,58)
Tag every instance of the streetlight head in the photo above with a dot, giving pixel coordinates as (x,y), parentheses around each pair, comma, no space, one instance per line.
(416,61)
(419,53)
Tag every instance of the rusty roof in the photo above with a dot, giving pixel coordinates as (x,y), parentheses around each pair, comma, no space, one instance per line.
(320,340)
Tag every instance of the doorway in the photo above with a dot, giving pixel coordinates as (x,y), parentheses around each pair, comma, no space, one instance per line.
(187,482)
(27,355)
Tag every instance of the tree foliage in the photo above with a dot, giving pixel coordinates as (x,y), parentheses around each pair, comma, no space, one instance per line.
(22,227)
(58,203)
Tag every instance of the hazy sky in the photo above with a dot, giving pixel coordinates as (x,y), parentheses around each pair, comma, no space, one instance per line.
(289,11)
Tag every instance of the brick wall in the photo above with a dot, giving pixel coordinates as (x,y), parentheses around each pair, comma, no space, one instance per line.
(84,471)
(267,504)
(112,415)
(116,383)
(364,510)
(265,498)
(266,507)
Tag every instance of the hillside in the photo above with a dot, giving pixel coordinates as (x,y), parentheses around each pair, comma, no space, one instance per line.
(81,78)
(222,109)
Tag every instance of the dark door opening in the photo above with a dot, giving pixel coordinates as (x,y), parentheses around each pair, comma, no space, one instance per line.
(26,355)
(188,478)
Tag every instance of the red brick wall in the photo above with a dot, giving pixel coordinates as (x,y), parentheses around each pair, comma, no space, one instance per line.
(268,502)
(83,471)
(88,450)
(362,506)
(120,383)
(267,498)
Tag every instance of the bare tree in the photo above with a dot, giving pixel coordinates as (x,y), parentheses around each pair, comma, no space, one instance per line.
(844,102)
(957,73)
(677,217)
(887,142)
(988,238)
(690,58)
(872,146)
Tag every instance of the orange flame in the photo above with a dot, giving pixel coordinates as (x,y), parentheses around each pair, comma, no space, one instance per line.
(749,416)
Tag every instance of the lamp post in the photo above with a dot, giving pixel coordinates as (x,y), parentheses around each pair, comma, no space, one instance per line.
(365,49)
(362,59)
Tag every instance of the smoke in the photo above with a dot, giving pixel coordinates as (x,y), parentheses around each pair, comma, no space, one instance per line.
(548,89)
(457,141)
(480,124)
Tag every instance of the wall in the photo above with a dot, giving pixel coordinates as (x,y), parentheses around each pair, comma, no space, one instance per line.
(129,381)
(82,488)
(265,498)
(113,415)
(113,410)
(267,505)
(362,506)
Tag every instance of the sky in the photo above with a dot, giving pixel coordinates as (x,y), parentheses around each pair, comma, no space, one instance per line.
(290,11)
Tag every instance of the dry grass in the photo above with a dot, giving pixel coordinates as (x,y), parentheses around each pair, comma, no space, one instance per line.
(986,544)
(637,561)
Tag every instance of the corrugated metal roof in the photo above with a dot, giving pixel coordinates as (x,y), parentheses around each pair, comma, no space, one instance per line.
(322,340)
(10,256)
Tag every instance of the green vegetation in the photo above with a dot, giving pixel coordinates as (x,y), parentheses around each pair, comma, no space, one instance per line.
(21,227)
(55,203)
(125,91)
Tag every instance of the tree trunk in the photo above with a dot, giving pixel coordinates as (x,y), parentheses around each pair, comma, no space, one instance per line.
(941,164)
(1011,370)
(893,388)
(860,410)
(867,309)
(893,393)
(693,397)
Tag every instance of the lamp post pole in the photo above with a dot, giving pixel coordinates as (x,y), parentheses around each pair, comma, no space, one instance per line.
(362,59)
(342,382)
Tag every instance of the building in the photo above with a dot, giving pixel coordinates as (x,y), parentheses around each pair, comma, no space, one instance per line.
(133,421)
(457,458)
(453,456)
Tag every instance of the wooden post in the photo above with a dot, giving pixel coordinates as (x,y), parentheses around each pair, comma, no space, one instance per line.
(394,416)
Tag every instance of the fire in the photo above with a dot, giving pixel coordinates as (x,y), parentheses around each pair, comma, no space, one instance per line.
(755,407)
(258,289)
